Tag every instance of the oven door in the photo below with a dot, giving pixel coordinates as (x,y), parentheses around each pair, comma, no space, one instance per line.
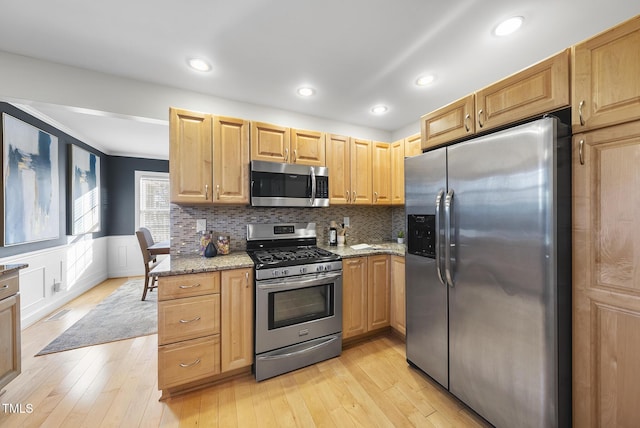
(296,309)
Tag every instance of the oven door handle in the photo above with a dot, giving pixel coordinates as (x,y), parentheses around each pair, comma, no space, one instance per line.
(295,282)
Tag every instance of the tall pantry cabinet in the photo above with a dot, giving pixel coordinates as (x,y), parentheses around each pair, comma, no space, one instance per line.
(606,228)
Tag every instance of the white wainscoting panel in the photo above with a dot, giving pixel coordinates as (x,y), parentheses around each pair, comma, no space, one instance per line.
(125,258)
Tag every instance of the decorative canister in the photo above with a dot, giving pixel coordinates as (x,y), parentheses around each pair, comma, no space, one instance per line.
(223,243)
(205,238)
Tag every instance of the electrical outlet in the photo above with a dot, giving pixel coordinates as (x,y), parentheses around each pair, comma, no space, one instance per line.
(346,222)
(201,224)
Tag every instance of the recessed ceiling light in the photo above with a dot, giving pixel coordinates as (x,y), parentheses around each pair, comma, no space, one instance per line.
(425,80)
(199,64)
(508,26)
(379,109)
(306,91)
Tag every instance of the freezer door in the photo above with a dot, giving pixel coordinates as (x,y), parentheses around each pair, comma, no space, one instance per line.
(427,331)
(502,305)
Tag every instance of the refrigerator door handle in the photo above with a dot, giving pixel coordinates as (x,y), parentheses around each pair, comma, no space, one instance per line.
(448,202)
(437,231)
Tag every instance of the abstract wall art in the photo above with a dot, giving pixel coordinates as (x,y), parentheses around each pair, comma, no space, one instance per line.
(85,191)
(31,193)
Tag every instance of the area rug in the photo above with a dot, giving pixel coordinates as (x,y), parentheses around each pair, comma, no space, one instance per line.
(122,315)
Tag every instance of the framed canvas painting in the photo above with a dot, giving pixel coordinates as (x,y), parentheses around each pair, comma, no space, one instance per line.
(31,192)
(85,191)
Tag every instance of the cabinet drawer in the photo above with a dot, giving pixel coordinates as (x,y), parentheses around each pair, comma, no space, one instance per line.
(189,361)
(9,285)
(173,287)
(188,318)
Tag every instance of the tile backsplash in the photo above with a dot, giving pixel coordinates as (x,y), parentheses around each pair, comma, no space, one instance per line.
(369,224)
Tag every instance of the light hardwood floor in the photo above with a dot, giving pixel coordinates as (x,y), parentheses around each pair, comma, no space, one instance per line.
(115,385)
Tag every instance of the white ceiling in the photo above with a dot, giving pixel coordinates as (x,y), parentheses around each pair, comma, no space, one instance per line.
(355,53)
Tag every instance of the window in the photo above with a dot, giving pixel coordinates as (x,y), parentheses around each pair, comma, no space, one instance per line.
(152,203)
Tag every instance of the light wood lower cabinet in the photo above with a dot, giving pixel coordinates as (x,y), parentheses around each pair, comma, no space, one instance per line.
(366,295)
(205,328)
(398,299)
(237,319)
(10,355)
(378,297)
(354,297)
(606,278)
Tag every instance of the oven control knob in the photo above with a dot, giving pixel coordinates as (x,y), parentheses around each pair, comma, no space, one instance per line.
(326,267)
(285,272)
(319,268)
(274,273)
(303,270)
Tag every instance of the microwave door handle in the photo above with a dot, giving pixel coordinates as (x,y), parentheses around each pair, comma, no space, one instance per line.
(313,186)
(437,231)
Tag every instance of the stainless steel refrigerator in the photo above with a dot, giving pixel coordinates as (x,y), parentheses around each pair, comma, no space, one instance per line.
(488,272)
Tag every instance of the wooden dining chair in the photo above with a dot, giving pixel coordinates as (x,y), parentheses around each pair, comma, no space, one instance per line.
(150,282)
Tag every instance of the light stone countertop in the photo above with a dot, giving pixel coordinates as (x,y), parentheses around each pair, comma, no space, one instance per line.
(198,264)
(239,259)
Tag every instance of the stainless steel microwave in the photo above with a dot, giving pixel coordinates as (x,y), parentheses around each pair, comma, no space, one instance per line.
(275,184)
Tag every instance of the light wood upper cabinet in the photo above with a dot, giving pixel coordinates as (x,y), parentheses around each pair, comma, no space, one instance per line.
(237,319)
(231,160)
(413,145)
(308,147)
(378,292)
(280,144)
(339,164)
(354,297)
(606,278)
(398,299)
(538,89)
(191,156)
(361,167)
(449,123)
(208,158)
(606,83)
(397,171)
(381,173)
(270,142)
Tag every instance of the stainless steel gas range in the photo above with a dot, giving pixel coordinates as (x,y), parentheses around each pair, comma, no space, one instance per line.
(298,298)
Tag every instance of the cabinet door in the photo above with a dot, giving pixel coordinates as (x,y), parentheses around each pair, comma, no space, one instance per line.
(339,169)
(412,145)
(270,142)
(397,172)
(448,123)
(190,151)
(606,278)
(398,300)
(541,88)
(381,173)
(188,318)
(231,160)
(237,319)
(10,351)
(378,292)
(361,172)
(606,88)
(308,147)
(189,361)
(354,297)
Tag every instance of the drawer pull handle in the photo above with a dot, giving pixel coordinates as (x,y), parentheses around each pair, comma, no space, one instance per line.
(190,286)
(188,321)
(4,287)
(184,366)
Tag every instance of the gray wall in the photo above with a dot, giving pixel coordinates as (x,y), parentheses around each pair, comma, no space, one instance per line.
(121,189)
